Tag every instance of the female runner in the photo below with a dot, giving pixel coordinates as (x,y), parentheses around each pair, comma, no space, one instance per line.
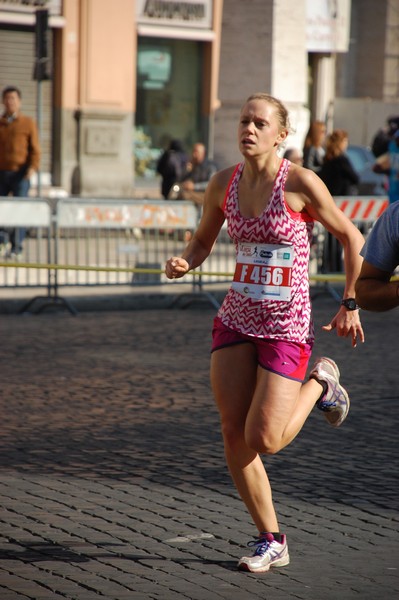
(263,332)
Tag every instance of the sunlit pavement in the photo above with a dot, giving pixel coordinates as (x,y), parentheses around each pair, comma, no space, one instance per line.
(113,483)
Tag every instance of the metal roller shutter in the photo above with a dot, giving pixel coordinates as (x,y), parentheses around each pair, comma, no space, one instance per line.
(17,57)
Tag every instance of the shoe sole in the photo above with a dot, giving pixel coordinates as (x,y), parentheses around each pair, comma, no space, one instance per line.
(282,562)
(331,416)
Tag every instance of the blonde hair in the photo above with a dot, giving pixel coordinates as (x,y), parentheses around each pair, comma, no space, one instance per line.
(282,112)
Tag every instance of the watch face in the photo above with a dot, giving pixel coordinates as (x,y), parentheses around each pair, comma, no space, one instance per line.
(350,303)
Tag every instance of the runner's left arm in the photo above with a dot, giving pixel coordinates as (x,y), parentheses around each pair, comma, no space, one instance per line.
(321,206)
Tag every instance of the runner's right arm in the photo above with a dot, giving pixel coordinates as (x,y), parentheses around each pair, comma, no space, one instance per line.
(208,229)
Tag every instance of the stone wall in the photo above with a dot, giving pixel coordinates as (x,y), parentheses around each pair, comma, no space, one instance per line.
(262,49)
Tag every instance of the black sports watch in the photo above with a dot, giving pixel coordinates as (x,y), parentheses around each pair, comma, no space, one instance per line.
(350,303)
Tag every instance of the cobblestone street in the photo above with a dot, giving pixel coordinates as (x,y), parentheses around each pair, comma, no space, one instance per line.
(113,482)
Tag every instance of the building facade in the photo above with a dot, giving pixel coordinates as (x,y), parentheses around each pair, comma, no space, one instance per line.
(127,77)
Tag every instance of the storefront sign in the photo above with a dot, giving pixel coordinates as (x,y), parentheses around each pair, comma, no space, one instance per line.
(327,25)
(29,6)
(188,13)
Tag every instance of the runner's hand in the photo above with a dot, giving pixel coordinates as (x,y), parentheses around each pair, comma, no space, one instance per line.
(347,324)
(176,267)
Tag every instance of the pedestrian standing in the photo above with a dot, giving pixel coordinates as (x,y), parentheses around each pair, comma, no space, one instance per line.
(388,163)
(19,155)
(294,155)
(313,148)
(341,180)
(199,170)
(380,141)
(263,332)
(337,172)
(171,166)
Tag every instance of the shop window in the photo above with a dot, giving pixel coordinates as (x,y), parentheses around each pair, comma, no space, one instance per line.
(169,76)
(154,67)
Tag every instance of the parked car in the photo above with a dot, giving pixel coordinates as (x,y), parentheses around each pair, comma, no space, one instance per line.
(370,183)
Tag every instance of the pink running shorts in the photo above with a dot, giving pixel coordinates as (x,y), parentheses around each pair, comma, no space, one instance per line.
(288,359)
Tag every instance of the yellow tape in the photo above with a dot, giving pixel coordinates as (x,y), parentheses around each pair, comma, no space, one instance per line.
(332,277)
(55,267)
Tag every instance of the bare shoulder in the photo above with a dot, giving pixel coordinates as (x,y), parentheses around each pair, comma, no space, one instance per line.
(301,180)
(221,178)
(217,185)
(304,189)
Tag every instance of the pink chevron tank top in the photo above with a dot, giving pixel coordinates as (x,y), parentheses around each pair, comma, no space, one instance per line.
(269,296)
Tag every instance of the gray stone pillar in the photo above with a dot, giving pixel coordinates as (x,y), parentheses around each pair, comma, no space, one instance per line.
(105,160)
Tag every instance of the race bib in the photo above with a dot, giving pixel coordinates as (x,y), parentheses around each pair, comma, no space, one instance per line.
(264,271)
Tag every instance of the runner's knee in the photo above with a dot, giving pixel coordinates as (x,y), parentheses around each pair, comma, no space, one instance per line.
(263,442)
(233,437)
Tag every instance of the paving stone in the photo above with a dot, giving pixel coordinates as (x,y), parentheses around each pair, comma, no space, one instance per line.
(113,483)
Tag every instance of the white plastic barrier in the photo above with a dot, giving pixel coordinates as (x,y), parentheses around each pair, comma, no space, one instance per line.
(24,212)
(35,216)
(120,214)
(104,237)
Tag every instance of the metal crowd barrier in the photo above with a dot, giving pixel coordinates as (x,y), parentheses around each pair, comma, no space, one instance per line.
(33,215)
(93,242)
(119,242)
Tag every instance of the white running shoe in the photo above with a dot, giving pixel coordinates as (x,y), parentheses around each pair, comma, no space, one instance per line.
(335,402)
(268,553)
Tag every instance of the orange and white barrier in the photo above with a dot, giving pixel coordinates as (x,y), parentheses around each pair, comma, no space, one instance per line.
(362,208)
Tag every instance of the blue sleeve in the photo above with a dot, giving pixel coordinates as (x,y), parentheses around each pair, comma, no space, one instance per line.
(382,245)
